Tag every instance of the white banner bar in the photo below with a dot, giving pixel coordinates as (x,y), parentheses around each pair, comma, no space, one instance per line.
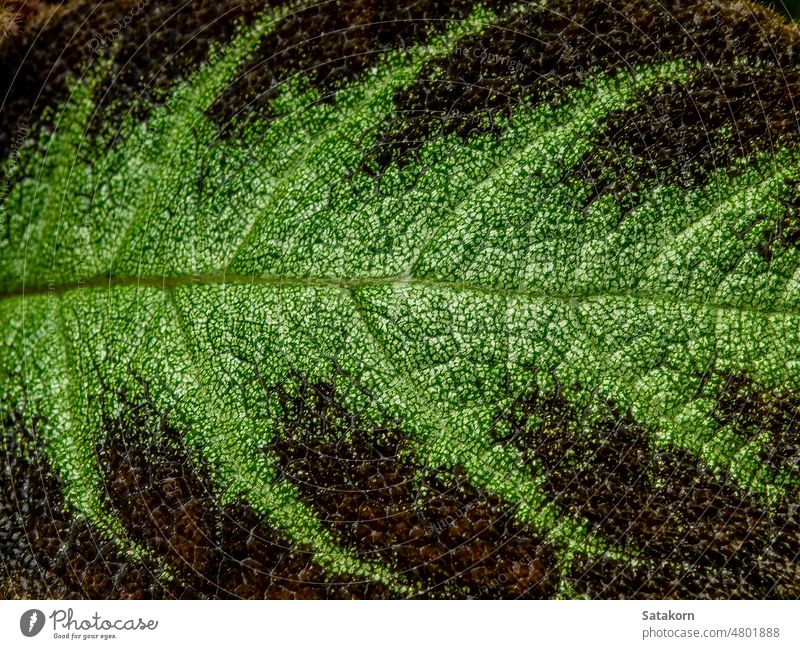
(399,624)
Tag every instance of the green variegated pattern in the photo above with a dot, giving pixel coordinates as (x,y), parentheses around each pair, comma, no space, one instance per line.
(217,276)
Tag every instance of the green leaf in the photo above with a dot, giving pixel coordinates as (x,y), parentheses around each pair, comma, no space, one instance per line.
(213,270)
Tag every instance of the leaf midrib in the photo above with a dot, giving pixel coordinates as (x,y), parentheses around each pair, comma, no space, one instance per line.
(344,283)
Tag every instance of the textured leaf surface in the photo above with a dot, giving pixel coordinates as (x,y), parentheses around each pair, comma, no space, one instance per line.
(321,358)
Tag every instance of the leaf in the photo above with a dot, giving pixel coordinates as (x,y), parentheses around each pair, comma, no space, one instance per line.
(166,279)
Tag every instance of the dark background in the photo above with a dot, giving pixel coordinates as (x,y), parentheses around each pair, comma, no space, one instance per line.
(789,7)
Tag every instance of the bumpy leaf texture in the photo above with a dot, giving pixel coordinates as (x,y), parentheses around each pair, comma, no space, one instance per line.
(402,299)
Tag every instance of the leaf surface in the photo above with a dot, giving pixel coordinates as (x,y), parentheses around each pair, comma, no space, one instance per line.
(219,277)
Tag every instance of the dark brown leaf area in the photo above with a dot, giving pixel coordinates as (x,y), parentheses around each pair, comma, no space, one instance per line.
(693,533)
(152,43)
(681,132)
(331,42)
(163,493)
(754,411)
(47,551)
(532,53)
(434,528)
